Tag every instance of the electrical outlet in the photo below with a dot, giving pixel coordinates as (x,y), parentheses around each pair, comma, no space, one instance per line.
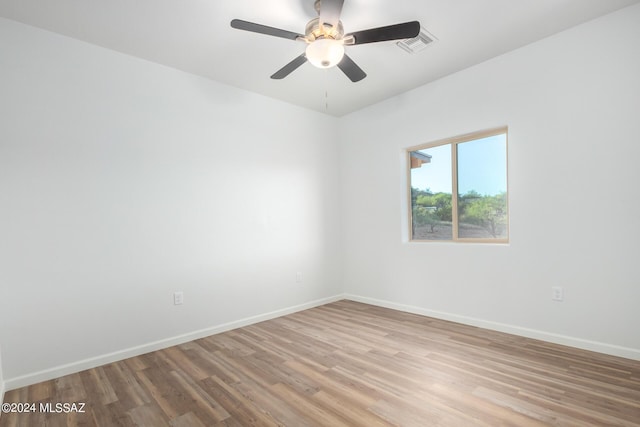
(178,298)
(298,277)
(557,293)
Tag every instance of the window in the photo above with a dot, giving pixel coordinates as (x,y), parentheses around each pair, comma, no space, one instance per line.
(458,189)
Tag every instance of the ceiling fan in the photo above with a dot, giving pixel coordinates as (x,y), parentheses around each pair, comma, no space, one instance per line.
(326,39)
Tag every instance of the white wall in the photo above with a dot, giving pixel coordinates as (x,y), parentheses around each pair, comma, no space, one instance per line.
(572,104)
(1,381)
(122,181)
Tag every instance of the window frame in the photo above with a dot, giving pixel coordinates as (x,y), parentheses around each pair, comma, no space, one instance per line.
(454,142)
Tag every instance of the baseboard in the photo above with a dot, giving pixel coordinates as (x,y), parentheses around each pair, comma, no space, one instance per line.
(71,368)
(613,350)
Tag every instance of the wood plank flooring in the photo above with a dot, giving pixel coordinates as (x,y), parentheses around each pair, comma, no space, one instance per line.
(348,364)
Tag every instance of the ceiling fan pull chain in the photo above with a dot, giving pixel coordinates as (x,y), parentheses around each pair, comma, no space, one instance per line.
(326,89)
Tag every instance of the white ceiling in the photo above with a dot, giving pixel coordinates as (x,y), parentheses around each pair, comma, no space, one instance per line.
(195,36)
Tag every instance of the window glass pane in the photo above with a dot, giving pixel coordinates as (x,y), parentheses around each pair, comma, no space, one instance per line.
(482,188)
(431,193)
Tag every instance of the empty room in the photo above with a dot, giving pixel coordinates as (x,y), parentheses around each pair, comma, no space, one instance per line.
(319,213)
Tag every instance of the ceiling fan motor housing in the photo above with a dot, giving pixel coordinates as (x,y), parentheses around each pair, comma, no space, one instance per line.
(314,31)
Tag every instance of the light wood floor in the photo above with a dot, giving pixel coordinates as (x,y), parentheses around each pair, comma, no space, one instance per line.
(349,364)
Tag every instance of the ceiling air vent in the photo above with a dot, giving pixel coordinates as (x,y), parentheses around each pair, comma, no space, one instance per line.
(418,43)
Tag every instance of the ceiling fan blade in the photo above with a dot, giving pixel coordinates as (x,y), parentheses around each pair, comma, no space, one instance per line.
(290,67)
(263,29)
(405,30)
(351,69)
(330,11)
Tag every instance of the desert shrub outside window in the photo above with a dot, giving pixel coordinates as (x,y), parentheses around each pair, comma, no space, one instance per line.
(458,189)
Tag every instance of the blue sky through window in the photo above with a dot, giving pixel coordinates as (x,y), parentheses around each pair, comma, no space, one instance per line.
(482,166)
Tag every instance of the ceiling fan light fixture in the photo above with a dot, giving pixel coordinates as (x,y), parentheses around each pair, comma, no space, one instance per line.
(325,53)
